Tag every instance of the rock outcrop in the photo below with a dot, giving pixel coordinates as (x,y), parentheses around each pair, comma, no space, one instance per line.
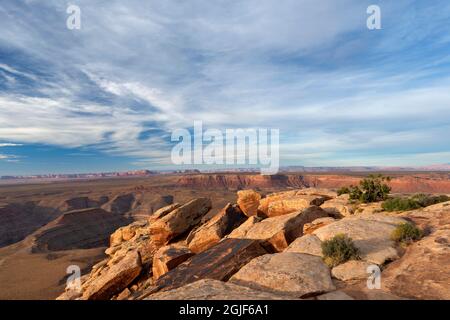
(112,280)
(218,263)
(179,221)
(248,201)
(208,289)
(280,231)
(210,233)
(177,253)
(169,257)
(370,234)
(294,274)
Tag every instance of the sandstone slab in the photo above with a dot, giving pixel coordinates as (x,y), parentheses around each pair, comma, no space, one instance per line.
(169,257)
(248,201)
(210,233)
(281,231)
(423,271)
(308,244)
(372,236)
(293,204)
(351,270)
(208,289)
(219,263)
(179,221)
(114,279)
(242,230)
(295,274)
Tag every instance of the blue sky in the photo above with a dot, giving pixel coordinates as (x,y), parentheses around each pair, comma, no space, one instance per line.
(107,97)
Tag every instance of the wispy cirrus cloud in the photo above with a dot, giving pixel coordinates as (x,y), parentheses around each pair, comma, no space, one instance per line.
(137,70)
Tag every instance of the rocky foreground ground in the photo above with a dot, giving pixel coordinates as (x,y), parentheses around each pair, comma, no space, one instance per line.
(270,248)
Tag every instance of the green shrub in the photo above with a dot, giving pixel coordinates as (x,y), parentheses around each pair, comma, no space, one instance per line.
(400,204)
(415,202)
(406,232)
(343,190)
(371,189)
(339,249)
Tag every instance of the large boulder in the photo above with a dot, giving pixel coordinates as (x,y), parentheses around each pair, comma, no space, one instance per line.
(114,279)
(158,214)
(125,233)
(219,263)
(293,204)
(248,201)
(294,274)
(210,233)
(265,202)
(339,207)
(423,272)
(371,234)
(179,221)
(169,257)
(208,289)
(280,203)
(242,230)
(280,231)
(351,270)
(308,244)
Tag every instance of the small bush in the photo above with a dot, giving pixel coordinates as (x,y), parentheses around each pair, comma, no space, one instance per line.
(371,189)
(415,202)
(343,190)
(406,232)
(339,249)
(400,204)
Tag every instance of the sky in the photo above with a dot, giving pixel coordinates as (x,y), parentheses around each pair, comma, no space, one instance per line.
(108,96)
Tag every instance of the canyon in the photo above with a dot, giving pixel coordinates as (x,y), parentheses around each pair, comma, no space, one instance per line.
(47,226)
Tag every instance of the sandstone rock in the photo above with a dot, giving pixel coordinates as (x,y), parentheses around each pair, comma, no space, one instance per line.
(208,289)
(308,244)
(125,233)
(124,294)
(372,236)
(163,211)
(219,262)
(248,201)
(295,274)
(351,270)
(114,279)
(281,231)
(210,233)
(335,295)
(316,224)
(293,204)
(242,230)
(265,202)
(179,221)
(169,257)
(338,207)
(423,272)
(329,194)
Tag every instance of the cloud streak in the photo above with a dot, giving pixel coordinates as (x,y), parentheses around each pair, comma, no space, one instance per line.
(338,92)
